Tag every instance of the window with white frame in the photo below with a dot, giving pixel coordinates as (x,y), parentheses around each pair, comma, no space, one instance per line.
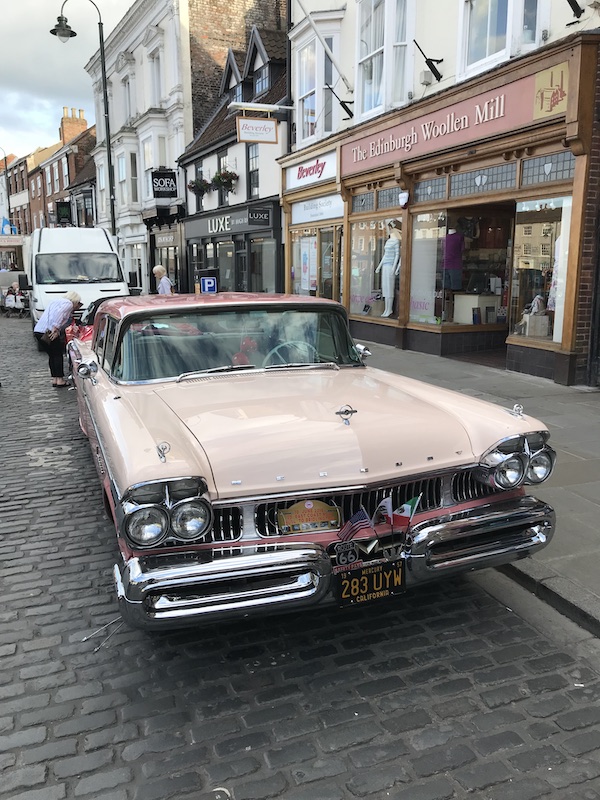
(495,30)
(134,177)
(253,172)
(39,185)
(385,28)
(148,166)
(65,172)
(162,151)
(48,180)
(261,80)
(236,93)
(122,178)
(101,185)
(316,77)
(56,177)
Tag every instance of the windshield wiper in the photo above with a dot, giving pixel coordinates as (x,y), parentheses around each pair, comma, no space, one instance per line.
(224,368)
(304,365)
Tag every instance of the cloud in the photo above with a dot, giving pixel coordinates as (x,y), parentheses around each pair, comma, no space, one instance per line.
(40,75)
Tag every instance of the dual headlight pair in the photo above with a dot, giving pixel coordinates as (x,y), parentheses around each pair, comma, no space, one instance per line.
(156,511)
(518,460)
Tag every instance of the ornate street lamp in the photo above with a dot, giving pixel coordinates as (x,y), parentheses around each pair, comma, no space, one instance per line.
(64,32)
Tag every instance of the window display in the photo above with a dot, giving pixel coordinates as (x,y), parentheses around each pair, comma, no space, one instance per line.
(540,268)
(459,267)
(317,261)
(375,267)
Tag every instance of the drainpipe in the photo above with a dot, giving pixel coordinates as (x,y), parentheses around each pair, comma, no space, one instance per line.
(592,364)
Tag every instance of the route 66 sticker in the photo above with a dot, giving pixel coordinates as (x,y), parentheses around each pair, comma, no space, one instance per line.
(345,553)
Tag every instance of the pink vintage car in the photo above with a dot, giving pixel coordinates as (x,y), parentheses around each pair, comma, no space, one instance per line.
(252,463)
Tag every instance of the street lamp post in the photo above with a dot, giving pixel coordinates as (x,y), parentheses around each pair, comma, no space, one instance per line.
(64,32)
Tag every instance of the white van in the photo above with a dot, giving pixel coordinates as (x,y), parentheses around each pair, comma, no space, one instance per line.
(60,260)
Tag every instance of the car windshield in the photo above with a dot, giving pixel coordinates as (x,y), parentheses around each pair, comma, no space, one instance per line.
(175,344)
(77,268)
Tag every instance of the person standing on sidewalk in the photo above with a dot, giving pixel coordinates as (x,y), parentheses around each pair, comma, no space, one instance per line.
(50,334)
(163,283)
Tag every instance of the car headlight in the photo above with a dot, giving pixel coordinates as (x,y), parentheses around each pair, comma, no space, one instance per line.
(191,519)
(540,466)
(510,472)
(147,526)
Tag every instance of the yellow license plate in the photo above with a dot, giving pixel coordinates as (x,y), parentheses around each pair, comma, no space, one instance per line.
(369,583)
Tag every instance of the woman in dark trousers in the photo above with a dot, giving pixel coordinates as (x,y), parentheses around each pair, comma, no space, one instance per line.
(50,334)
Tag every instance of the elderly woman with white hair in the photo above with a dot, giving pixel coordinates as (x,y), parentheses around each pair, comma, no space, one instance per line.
(163,284)
(49,331)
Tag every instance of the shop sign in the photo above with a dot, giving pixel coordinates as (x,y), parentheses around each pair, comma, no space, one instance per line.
(164,239)
(259,216)
(14,240)
(317,208)
(164,183)
(236,221)
(500,111)
(255,129)
(318,169)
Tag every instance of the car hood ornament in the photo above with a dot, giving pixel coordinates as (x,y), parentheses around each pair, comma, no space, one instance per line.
(346,413)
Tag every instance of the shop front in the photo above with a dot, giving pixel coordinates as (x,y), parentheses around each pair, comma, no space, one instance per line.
(243,243)
(464,217)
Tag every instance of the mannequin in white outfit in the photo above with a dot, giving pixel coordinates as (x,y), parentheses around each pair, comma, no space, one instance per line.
(389,266)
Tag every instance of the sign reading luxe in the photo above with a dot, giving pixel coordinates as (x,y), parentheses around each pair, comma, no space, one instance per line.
(515,105)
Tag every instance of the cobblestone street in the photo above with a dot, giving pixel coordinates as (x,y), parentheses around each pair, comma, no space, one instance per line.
(446,693)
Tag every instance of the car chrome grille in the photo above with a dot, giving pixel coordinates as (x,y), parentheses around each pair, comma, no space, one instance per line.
(227,525)
(430,490)
(466,487)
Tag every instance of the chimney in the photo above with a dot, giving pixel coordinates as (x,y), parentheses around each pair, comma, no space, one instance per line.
(71,126)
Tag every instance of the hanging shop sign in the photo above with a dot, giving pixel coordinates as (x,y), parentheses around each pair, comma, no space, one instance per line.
(503,110)
(164,239)
(255,129)
(164,183)
(321,168)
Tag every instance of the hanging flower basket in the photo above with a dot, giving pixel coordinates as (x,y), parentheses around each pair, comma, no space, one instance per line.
(200,186)
(225,180)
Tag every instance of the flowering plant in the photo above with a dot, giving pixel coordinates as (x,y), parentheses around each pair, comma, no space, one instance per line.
(225,179)
(200,186)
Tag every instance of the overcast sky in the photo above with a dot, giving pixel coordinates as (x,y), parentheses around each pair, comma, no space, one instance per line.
(39,74)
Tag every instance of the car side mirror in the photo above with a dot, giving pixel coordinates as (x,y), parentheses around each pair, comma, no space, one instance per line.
(88,370)
(363,351)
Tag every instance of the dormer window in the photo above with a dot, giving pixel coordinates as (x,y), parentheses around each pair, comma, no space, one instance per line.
(236,93)
(261,80)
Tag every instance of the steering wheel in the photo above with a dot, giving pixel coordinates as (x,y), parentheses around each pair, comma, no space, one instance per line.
(299,346)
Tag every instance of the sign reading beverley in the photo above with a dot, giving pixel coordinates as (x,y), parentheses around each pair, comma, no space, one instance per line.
(512,106)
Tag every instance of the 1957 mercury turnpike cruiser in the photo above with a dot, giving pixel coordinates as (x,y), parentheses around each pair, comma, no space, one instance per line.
(252,463)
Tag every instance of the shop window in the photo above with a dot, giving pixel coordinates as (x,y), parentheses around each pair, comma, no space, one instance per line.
(375,267)
(480,181)
(544,169)
(459,268)
(388,198)
(539,276)
(226,266)
(363,202)
(317,261)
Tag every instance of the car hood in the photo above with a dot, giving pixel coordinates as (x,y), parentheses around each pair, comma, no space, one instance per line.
(281,431)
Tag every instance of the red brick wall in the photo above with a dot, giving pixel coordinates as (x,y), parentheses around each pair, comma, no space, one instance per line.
(215,26)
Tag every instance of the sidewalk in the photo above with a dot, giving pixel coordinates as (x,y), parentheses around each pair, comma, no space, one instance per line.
(566,573)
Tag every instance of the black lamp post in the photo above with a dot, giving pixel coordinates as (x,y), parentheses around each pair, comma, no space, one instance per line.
(64,32)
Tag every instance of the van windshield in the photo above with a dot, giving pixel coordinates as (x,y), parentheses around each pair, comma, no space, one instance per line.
(77,268)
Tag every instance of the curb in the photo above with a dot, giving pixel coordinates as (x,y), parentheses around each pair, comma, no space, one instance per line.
(570,599)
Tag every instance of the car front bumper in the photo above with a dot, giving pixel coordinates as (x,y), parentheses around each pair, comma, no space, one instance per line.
(178,589)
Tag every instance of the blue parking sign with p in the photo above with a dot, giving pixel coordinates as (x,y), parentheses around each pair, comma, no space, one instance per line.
(208,285)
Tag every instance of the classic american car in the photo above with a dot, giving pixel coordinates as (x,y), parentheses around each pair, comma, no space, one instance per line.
(253,463)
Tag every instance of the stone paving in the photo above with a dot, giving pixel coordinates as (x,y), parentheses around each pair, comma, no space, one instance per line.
(446,693)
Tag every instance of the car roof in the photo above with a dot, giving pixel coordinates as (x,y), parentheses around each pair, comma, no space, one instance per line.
(122,307)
